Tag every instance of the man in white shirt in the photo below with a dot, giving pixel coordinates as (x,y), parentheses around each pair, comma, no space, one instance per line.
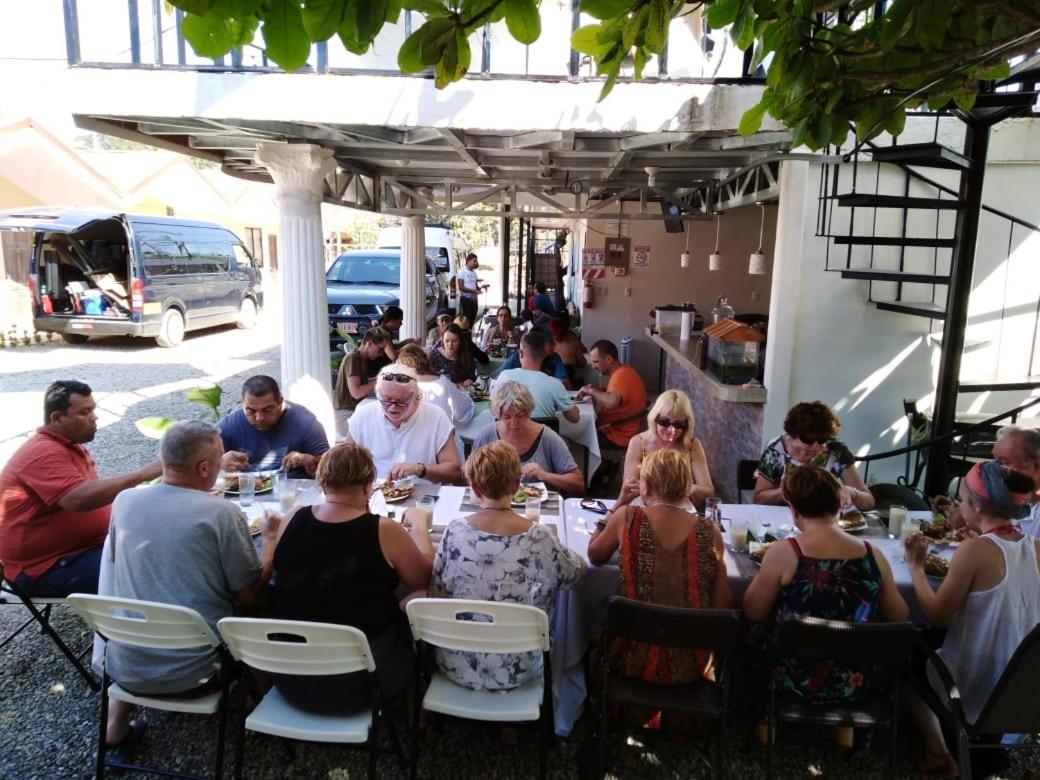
(550,396)
(406,436)
(469,289)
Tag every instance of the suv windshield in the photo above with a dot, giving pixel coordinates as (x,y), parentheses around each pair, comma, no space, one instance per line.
(365,270)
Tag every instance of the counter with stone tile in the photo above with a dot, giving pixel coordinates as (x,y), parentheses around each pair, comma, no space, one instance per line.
(728,418)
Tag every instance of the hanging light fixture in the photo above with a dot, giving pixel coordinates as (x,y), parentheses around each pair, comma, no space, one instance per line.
(684,258)
(715,259)
(757,261)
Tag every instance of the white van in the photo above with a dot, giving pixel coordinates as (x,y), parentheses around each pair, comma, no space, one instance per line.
(443,245)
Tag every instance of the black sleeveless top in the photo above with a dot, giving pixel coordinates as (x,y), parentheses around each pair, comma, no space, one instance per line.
(334,573)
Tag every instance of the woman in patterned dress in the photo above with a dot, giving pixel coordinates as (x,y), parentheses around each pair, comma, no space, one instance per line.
(499,555)
(823,573)
(809,439)
(669,556)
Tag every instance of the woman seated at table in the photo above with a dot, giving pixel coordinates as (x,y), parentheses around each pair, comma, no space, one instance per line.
(569,349)
(502,333)
(437,390)
(450,359)
(433,335)
(336,562)
(544,455)
(476,353)
(670,427)
(809,440)
(669,556)
(823,573)
(499,555)
(988,601)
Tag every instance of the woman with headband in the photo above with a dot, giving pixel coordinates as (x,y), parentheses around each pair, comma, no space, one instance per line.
(988,601)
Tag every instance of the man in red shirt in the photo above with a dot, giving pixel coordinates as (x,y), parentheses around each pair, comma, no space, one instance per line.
(620,408)
(53,508)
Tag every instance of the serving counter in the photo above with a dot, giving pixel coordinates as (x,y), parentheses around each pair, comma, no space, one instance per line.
(728,418)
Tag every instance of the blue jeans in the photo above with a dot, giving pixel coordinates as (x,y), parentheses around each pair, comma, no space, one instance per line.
(77,573)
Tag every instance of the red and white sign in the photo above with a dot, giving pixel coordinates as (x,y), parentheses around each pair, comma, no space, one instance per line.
(595,272)
(591,256)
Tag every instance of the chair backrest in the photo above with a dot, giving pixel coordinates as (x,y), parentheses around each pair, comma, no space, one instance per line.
(717,630)
(882,644)
(550,422)
(746,475)
(144,623)
(501,628)
(1011,707)
(297,647)
(886,494)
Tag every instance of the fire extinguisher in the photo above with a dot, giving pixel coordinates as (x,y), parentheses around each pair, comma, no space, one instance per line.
(586,296)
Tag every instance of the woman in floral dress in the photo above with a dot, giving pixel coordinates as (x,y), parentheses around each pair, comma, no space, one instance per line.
(823,573)
(499,555)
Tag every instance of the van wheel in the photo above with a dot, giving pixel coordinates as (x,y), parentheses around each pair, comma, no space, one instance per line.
(247,314)
(74,338)
(171,330)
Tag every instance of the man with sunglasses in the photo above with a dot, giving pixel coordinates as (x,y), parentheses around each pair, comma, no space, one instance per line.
(406,436)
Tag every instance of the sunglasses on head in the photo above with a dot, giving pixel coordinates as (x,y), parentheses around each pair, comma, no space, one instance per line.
(398,404)
(808,441)
(679,425)
(401,379)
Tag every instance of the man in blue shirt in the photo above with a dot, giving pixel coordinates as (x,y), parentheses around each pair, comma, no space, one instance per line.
(270,433)
(542,305)
(552,365)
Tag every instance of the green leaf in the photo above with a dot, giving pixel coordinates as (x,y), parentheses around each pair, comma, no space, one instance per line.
(605,9)
(243,30)
(208,395)
(285,37)
(722,13)
(586,40)
(153,427)
(425,46)
(197,7)
(322,18)
(523,21)
(657,26)
(896,121)
(393,11)
(427,7)
(896,22)
(368,18)
(209,36)
(609,85)
(752,120)
(965,100)
(635,25)
(234,9)
(639,62)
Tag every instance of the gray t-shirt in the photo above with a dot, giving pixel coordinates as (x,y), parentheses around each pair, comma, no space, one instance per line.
(177,546)
(550,450)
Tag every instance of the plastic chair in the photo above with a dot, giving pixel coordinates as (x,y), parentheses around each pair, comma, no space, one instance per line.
(303,648)
(886,494)
(1010,709)
(151,625)
(513,628)
(714,630)
(552,423)
(40,612)
(886,646)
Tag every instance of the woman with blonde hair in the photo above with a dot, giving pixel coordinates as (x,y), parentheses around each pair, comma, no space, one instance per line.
(336,562)
(669,556)
(499,555)
(670,427)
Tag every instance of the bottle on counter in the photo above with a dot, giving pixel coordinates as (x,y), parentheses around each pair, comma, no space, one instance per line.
(722,310)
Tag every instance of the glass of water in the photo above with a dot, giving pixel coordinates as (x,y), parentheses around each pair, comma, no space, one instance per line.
(246,488)
(533,509)
(288,490)
(896,521)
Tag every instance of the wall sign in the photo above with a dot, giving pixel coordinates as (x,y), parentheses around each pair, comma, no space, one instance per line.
(641,256)
(592,256)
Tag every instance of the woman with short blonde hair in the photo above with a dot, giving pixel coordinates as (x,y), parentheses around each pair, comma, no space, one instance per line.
(499,555)
(670,427)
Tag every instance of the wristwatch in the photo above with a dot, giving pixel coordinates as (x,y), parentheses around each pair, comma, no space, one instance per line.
(422,469)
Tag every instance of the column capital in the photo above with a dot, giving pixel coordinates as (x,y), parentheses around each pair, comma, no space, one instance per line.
(298,170)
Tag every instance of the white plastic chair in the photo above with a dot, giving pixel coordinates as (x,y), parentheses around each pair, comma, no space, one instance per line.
(151,625)
(512,628)
(303,648)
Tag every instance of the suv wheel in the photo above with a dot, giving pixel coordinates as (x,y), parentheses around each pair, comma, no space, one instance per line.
(74,338)
(171,330)
(246,314)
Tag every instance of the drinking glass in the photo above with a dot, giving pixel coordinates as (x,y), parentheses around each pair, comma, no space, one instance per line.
(221,483)
(712,510)
(246,489)
(738,534)
(288,489)
(533,509)
(896,520)
(423,514)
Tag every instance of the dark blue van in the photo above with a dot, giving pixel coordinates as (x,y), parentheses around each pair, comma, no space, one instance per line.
(97,272)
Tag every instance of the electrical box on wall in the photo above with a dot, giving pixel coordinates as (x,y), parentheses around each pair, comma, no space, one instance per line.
(617,252)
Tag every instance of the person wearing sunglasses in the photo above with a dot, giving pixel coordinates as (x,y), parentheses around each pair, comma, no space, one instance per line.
(407,436)
(809,439)
(670,427)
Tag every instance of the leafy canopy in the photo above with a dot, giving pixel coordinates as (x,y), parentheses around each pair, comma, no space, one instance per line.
(829,63)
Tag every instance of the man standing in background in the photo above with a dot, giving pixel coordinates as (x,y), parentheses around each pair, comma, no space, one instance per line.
(469,289)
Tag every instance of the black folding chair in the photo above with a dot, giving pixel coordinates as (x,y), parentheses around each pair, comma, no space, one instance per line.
(886,494)
(746,470)
(886,646)
(550,422)
(40,612)
(1010,709)
(712,630)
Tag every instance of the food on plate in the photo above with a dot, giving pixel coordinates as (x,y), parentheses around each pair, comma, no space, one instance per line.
(478,394)
(395,491)
(263,482)
(852,521)
(758,551)
(255,527)
(936,565)
(528,491)
(938,530)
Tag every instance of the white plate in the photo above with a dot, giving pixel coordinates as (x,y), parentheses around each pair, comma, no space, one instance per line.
(264,474)
(541,486)
(402,483)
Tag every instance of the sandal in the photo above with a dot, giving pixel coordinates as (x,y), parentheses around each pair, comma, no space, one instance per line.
(134,732)
(937,765)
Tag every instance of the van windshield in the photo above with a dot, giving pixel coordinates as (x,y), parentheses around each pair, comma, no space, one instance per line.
(358,269)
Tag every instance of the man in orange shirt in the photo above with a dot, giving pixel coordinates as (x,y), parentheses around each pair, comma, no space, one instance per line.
(53,508)
(621,407)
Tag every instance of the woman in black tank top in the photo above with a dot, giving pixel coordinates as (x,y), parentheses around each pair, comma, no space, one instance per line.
(336,562)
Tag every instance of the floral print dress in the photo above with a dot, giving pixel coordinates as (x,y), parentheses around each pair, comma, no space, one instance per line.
(527,568)
(832,589)
(776,461)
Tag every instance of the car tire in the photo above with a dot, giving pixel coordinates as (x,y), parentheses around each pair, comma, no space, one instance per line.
(74,338)
(246,314)
(171,329)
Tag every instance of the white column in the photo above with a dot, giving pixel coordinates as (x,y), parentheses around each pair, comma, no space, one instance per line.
(298,171)
(413,277)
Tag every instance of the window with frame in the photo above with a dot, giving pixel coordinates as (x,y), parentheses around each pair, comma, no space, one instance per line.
(255,243)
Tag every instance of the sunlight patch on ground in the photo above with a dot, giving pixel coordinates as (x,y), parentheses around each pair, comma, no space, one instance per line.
(58,688)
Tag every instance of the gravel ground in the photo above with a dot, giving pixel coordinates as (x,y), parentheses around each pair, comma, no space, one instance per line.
(48,715)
